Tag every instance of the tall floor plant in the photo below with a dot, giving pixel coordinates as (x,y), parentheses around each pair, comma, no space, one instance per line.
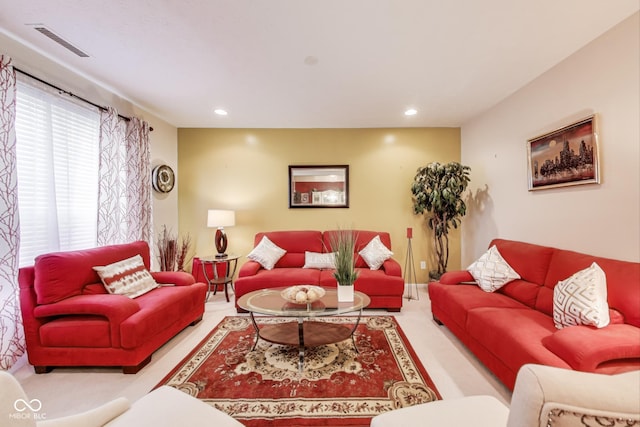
(437,193)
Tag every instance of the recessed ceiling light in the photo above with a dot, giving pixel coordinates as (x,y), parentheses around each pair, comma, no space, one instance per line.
(411,112)
(311,60)
(220,112)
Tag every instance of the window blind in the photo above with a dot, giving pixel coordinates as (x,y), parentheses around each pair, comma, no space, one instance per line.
(57,161)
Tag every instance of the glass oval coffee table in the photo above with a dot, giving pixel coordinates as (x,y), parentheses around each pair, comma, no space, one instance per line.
(307,330)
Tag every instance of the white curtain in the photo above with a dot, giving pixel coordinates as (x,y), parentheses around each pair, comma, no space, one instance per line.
(11,332)
(124,197)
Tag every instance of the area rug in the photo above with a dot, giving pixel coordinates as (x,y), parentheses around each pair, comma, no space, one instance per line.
(337,386)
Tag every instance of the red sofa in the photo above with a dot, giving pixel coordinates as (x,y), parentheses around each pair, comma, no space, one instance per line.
(514,325)
(384,286)
(70,320)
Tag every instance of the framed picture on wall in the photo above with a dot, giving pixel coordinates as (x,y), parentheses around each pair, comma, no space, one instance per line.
(321,186)
(316,197)
(565,156)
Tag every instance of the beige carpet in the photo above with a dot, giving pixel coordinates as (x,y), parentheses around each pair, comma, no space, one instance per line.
(65,391)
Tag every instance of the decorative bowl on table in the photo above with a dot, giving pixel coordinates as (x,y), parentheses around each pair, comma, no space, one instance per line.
(302,294)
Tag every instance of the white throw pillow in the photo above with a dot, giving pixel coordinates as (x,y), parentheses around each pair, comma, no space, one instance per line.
(582,299)
(266,253)
(128,277)
(319,260)
(491,271)
(375,253)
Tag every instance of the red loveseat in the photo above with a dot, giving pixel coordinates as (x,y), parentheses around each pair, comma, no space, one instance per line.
(514,325)
(70,320)
(384,286)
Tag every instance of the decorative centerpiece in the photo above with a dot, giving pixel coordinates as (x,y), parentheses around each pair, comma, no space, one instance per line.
(303,294)
(343,243)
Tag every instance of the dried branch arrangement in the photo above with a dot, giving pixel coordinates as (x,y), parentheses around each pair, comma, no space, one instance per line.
(172,254)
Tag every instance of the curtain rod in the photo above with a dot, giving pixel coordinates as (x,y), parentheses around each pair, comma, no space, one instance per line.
(71,94)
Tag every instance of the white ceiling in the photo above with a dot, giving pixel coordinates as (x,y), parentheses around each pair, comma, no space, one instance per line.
(181,59)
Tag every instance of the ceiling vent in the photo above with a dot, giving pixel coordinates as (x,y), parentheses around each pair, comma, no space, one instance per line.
(62,42)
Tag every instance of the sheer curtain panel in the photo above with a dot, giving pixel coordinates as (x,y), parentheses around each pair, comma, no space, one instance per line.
(139,181)
(125,180)
(11,333)
(112,190)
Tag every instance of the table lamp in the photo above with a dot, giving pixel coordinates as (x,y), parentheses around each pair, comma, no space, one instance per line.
(219,219)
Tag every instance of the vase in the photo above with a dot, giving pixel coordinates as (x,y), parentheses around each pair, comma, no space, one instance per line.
(345,293)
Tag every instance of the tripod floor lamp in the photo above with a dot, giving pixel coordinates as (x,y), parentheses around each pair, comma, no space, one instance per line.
(220,219)
(410,269)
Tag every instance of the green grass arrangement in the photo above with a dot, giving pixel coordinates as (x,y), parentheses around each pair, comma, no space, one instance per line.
(343,243)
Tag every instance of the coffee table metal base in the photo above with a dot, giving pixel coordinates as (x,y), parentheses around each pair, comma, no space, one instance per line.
(309,333)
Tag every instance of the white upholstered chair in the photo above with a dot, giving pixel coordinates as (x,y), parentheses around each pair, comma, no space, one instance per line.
(164,406)
(543,396)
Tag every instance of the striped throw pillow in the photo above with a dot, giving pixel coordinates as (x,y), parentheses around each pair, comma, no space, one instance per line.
(128,277)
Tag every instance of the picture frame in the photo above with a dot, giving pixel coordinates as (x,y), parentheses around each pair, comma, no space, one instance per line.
(564,157)
(318,186)
(316,197)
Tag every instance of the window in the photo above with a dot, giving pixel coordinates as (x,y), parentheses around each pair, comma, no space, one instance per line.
(57,161)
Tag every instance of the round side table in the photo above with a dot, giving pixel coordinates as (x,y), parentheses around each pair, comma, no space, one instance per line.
(222,276)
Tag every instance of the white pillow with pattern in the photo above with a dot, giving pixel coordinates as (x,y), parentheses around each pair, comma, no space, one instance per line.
(491,271)
(375,253)
(266,253)
(319,260)
(582,299)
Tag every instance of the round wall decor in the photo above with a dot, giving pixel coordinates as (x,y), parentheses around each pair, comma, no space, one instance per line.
(162,178)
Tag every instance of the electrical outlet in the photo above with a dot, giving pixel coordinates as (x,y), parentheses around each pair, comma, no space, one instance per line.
(423,265)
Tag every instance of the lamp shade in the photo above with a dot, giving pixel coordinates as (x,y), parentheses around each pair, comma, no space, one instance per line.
(221,218)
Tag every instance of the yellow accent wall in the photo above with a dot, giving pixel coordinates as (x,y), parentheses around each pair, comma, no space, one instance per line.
(246,170)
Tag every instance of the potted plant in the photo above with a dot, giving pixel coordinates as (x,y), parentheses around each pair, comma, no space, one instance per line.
(343,243)
(437,190)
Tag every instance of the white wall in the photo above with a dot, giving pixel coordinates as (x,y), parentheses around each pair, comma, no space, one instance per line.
(604,220)
(164,138)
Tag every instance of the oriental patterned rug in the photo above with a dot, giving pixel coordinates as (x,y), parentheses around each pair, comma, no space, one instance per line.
(337,387)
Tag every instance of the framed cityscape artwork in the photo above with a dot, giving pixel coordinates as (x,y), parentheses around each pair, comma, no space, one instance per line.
(565,156)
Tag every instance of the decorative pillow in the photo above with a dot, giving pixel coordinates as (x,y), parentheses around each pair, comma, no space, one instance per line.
(128,277)
(582,299)
(319,260)
(491,271)
(266,253)
(375,253)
